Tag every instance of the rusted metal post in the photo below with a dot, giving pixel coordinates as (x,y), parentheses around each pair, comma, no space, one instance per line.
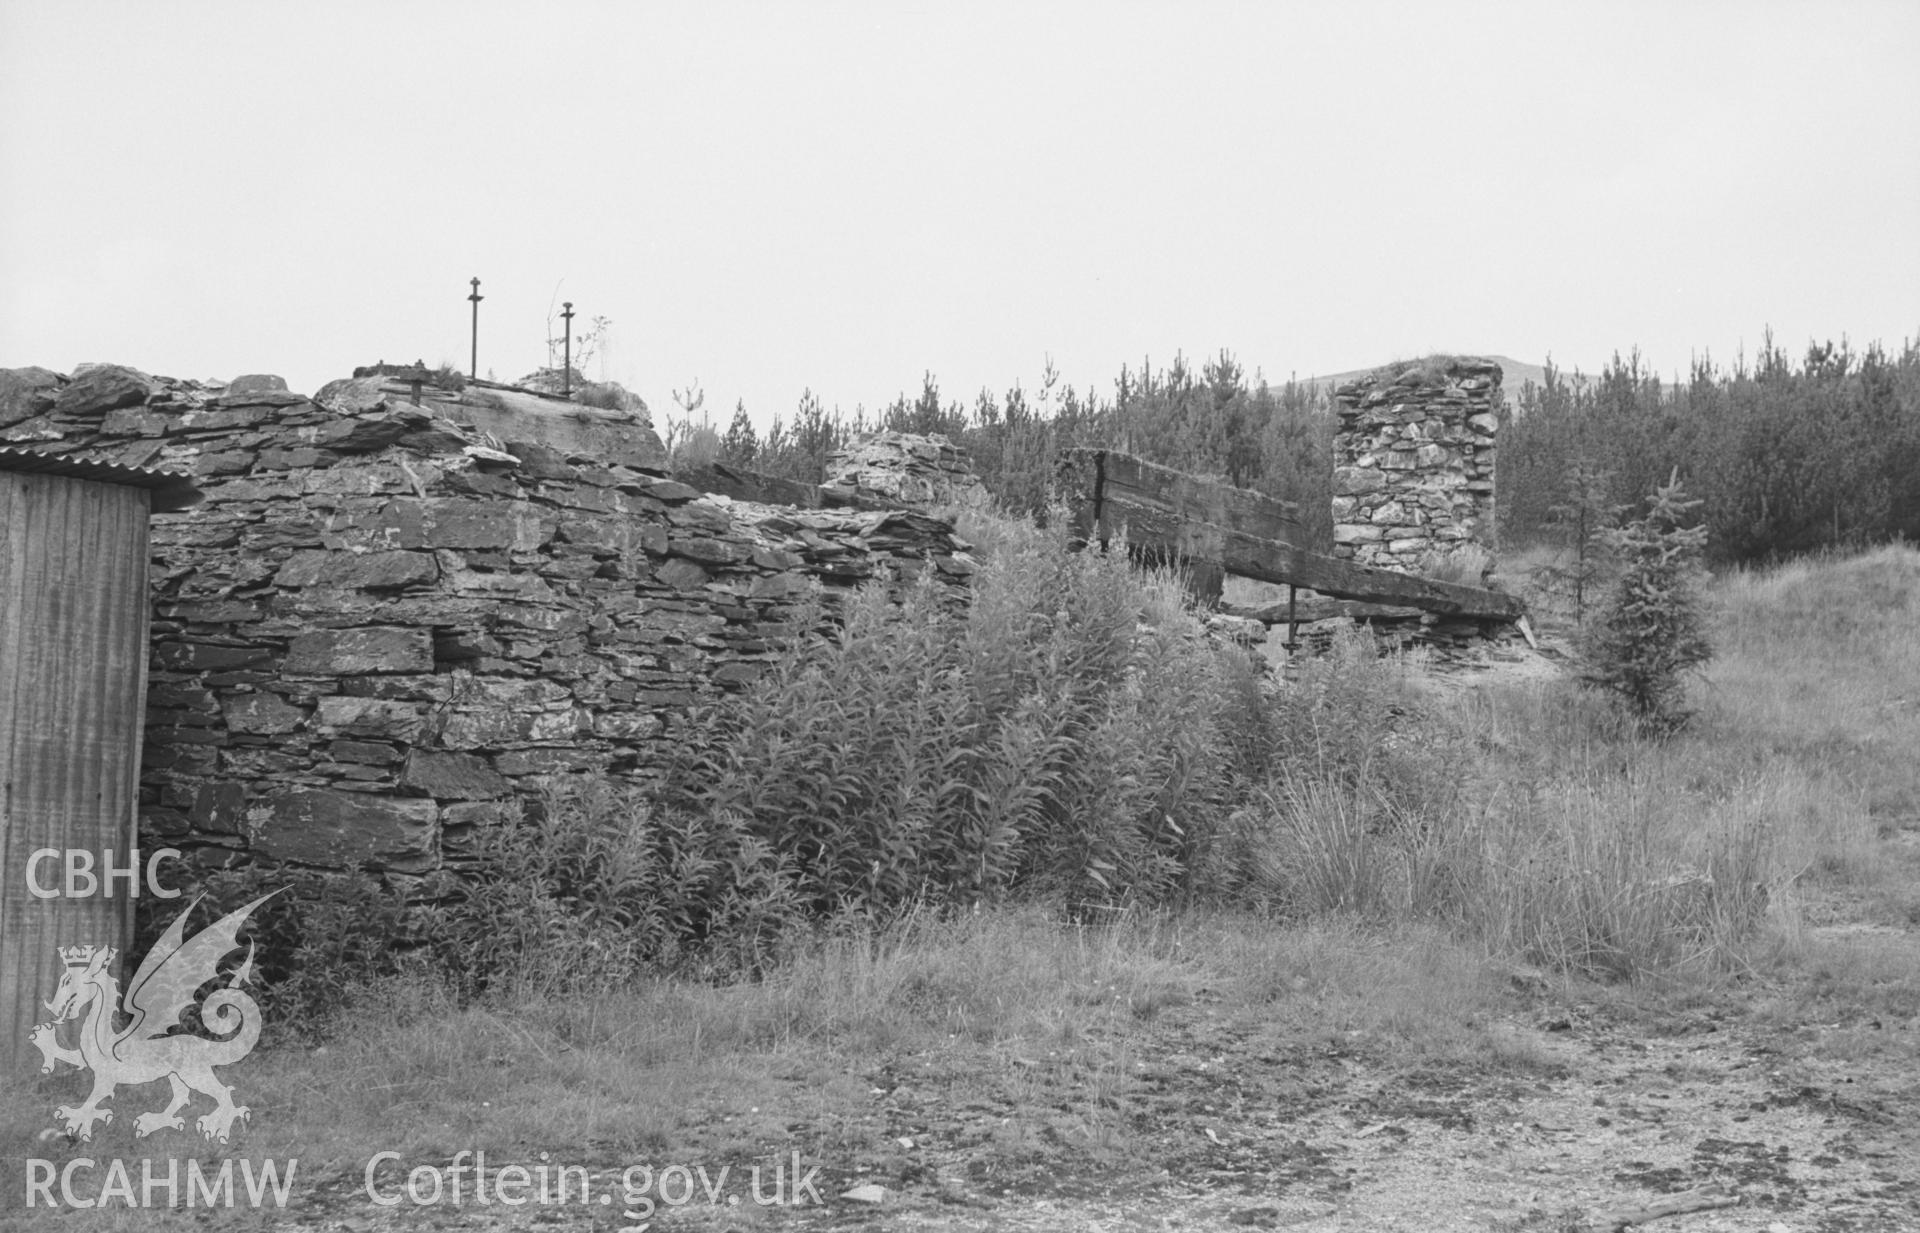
(473,364)
(566,364)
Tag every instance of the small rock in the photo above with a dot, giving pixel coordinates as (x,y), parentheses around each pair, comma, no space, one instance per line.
(99,388)
(254,383)
(25,393)
(869,1193)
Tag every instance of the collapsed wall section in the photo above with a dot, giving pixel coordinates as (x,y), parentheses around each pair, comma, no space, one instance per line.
(384,626)
(1413,462)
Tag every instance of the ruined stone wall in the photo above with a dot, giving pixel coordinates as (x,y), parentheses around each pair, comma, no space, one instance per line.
(912,469)
(1414,462)
(384,625)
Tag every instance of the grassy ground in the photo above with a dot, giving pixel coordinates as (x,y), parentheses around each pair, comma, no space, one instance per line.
(1762,870)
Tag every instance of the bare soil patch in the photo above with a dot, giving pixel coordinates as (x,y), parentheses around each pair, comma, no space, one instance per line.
(1210,1118)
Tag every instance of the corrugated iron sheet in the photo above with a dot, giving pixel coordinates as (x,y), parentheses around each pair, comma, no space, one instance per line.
(171,490)
(73,641)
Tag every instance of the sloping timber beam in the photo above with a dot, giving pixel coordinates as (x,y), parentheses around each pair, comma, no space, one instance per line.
(1110,494)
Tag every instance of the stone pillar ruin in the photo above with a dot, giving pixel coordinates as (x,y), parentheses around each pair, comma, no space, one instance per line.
(1413,462)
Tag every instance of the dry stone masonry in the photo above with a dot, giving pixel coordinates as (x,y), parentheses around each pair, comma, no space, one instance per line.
(387,622)
(1413,462)
(905,469)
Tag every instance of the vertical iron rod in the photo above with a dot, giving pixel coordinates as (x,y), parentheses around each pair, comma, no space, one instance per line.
(473,364)
(566,366)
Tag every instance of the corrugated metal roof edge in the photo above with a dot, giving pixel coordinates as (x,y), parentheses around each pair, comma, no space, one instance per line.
(172,490)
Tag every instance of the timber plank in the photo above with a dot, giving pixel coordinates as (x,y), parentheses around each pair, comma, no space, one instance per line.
(1110,494)
(1313,606)
(1162,499)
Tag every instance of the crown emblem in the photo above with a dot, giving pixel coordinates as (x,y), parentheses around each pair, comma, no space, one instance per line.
(79,956)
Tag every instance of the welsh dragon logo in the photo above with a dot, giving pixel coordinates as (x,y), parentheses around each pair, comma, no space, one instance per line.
(143,1051)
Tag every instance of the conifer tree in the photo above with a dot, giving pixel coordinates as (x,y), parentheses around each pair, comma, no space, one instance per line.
(741,443)
(1584,517)
(1651,632)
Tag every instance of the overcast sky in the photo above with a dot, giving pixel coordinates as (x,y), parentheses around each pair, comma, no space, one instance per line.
(771,197)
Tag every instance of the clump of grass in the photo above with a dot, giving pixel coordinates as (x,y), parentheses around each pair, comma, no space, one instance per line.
(1609,880)
(610,396)
(692,447)
(1467,563)
(1432,369)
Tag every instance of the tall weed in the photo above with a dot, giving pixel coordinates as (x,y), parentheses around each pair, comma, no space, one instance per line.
(598,886)
(1060,738)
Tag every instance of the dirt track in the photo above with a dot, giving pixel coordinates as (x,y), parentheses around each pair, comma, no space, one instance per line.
(1207,1124)
(1248,1139)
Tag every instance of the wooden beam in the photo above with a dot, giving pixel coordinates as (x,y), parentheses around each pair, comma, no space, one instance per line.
(1162,497)
(1110,494)
(1161,501)
(1315,607)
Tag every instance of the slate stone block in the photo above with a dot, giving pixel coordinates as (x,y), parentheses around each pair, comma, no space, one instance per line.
(220,808)
(344,830)
(105,387)
(358,571)
(682,575)
(453,776)
(349,652)
(380,718)
(255,383)
(261,714)
(26,393)
(201,656)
